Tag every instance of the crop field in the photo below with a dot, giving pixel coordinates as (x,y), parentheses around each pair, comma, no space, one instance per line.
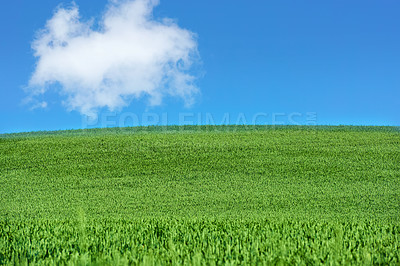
(202,195)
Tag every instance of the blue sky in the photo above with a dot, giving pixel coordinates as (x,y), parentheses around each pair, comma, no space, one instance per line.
(291,62)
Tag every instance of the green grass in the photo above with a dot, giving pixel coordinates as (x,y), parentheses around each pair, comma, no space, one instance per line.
(210,194)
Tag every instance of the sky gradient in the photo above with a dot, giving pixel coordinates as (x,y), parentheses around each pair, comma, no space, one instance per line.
(290,62)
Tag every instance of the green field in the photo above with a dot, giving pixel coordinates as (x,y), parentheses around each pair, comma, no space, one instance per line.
(201,195)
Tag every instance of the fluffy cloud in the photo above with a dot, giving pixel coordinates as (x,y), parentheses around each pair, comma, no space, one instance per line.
(128,54)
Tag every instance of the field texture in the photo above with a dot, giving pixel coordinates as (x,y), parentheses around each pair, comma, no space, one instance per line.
(201,195)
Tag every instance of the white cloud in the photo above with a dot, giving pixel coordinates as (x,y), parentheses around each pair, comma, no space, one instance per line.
(130,54)
(39,105)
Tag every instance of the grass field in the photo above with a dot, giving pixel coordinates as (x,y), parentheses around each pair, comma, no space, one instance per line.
(201,195)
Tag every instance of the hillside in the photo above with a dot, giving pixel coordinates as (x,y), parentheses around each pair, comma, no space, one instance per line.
(229,175)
